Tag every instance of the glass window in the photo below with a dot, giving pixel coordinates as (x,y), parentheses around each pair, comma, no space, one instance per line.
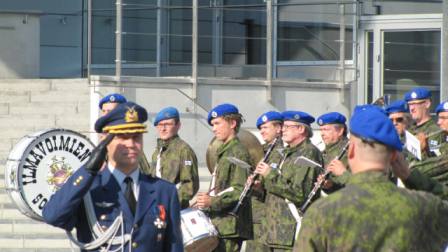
(381,7)
(244,32)
(310,32)
(411,58)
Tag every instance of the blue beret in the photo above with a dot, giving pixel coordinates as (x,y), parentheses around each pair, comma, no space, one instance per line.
(127,117)
(331,118)
(442,107)
(298,116)
(113,98)
(418,93)
(269,116)
(221,110)
(397,106)
(166,113)
(371,123)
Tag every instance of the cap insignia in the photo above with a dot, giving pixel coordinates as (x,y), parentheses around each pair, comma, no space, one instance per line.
(445,105)
(131,115)
(296,116)
(414,95)
(321,122)
(264,118)
(214,114)
(112,98)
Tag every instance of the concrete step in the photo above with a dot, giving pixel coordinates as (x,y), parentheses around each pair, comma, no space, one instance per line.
(14,97)
(70,85)
(58,96)
(24,123)
(44,107)
(20,242)
(18,85)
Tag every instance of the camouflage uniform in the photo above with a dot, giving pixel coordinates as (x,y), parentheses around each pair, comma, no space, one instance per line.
(434,141)
(434,166)
(292,182)
(331,152)
(179,165)
(418,181)
(232,229)
(372,214)
(258,198)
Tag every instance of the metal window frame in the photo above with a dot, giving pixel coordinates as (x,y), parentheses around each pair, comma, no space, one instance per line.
(378,25)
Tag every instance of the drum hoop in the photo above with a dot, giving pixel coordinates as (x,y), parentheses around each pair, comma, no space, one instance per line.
(22,203)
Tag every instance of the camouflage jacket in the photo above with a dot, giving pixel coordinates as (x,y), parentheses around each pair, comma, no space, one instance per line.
(372,214)
(434,141)
(259,197)
(435,167)
(289,181)
(331,152)
(421,182)
(228,175)
(179,165)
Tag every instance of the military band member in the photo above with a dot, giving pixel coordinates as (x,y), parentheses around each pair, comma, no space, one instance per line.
(110,101)
(419,102)
(270,126)
(398,112)
(370,213)
(149,207)
(442,122)
(289,184)
(173,159)
(334,134)
(228,181)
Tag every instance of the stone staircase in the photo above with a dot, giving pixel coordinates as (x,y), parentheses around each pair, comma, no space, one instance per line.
(28,106)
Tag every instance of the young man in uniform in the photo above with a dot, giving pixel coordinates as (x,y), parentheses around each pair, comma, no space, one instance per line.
(270,126)
(109,102)
(147,208)
(289,184)
(228,181)
(370,213)
(334,134)
(173,159)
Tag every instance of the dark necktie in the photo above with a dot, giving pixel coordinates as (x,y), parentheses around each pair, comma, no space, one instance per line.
(129,194)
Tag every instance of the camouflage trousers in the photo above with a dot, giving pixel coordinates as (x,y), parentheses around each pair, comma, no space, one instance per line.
(228,245)
(256,245)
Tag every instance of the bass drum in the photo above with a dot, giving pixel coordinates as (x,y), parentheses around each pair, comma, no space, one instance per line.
(40,163)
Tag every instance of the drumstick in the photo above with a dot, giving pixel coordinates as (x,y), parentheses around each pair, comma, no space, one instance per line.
(194,201)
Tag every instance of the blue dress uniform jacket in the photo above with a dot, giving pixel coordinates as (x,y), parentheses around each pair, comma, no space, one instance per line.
(65,209)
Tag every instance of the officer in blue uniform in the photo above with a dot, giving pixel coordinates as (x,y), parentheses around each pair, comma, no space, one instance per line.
(147,207)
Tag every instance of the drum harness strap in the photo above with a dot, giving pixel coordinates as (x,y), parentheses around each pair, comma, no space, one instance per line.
(292,207)
(102,237)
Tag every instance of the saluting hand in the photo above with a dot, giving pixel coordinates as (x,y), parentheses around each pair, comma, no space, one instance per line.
(98,155)
(263,169)
(400,167)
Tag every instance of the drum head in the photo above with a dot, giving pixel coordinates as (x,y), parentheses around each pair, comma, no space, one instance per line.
(40,163)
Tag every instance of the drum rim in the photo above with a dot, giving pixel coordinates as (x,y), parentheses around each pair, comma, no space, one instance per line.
(19,190)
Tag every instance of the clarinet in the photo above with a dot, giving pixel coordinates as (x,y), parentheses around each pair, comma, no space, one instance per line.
(253,176)
(319,184)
